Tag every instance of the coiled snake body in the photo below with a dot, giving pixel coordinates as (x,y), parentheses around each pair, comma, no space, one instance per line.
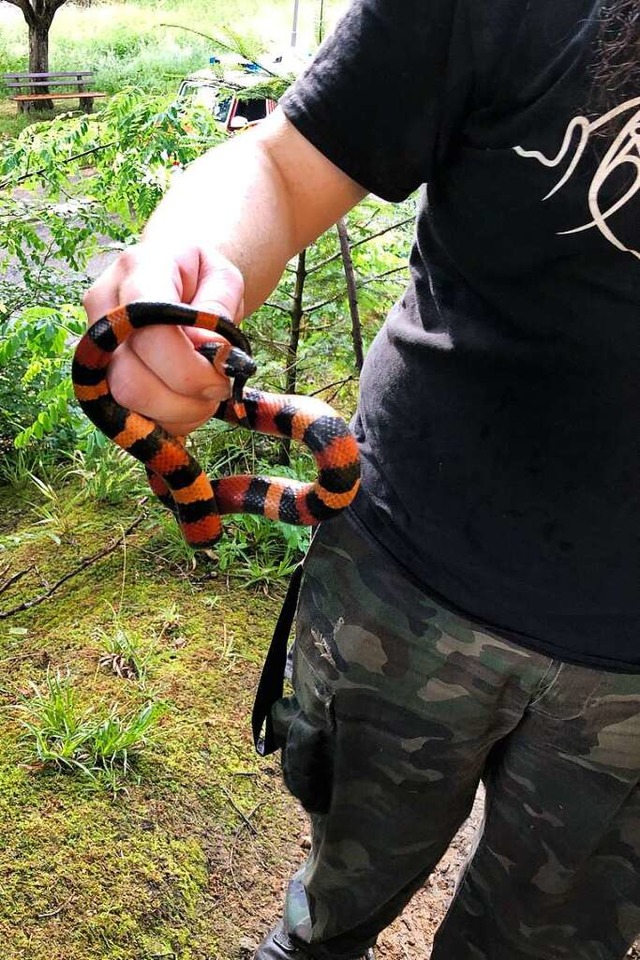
(174,476)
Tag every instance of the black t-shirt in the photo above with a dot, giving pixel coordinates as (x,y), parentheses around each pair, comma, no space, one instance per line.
(500,401)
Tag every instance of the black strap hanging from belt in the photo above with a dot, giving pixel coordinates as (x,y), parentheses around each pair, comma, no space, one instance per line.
(271,685)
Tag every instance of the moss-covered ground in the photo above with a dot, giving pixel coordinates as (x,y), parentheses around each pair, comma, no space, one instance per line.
(186,859)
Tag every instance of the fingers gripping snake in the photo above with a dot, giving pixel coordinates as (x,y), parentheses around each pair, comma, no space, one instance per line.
(174,476)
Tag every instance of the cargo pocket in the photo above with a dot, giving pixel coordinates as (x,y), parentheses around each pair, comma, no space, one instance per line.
(307,752)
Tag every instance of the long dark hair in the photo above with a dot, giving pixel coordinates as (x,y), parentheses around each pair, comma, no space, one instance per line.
(616,68)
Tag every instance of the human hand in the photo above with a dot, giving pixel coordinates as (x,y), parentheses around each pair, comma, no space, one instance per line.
(157,371)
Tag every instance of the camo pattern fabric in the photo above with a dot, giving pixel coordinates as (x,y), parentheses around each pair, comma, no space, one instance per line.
(414,704)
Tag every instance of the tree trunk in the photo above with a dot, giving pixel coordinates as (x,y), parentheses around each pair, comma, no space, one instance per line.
(39,59)
(320,30)
(296,314)
(352,292)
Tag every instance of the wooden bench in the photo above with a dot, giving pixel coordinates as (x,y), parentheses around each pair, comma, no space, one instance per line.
(52,87)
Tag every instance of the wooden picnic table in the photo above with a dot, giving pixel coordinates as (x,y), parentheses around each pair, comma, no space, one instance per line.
(36,87)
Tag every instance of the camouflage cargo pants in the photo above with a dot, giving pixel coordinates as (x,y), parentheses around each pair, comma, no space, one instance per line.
(403,708)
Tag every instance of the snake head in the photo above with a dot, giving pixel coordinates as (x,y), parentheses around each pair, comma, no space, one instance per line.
(234,363)
(228,360)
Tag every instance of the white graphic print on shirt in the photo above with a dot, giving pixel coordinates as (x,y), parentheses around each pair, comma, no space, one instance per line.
(625,149)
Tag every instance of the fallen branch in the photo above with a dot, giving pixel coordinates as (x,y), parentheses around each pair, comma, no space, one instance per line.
(236,838)
(24,656)
(221,43)
(14,579)
(5,184)
(28,604)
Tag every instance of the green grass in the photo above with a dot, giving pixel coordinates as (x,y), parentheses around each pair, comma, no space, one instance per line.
(98,742)
(187,856)
(12,123)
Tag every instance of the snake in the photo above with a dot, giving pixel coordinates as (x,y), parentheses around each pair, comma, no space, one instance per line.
(174,475)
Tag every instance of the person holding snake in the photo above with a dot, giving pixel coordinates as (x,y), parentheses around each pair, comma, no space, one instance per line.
(474,614)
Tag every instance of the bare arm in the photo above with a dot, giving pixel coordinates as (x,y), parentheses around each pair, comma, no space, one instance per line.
(262,198)
(220,239)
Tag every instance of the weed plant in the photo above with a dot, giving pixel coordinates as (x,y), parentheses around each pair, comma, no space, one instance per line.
(124,654)
(16,466)
(96,741)
(107,474)
(55,507)
(252,550)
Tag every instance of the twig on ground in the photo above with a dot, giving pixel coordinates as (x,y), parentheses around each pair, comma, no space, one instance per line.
(14,579)
(22,656)
(57,910)
(86,562)
(232,849)
(243,816)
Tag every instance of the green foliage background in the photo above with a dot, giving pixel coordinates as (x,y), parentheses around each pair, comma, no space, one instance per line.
(135,821)
(76,186)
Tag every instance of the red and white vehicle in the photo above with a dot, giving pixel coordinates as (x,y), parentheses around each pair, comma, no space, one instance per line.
(226,92)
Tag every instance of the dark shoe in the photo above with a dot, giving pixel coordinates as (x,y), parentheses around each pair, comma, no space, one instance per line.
(277,945)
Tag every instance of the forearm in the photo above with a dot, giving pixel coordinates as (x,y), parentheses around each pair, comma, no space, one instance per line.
(257,200)
(230,201)
(219,240)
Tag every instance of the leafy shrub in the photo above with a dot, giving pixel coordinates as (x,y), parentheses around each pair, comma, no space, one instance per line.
(133,145)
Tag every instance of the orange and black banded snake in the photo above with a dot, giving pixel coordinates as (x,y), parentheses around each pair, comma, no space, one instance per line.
(174,476)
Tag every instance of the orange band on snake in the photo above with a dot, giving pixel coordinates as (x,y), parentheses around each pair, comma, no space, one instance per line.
(174,476)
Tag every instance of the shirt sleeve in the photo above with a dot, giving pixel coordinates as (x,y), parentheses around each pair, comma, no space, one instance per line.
(386,92)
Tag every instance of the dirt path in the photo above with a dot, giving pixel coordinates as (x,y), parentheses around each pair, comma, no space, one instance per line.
(261,891)
(411,936)
(12,271)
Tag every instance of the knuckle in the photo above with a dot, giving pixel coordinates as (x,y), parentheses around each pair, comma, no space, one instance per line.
(129,260)
(123,390)
(88,298)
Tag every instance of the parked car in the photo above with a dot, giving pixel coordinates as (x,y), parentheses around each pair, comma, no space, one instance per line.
(225,92)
